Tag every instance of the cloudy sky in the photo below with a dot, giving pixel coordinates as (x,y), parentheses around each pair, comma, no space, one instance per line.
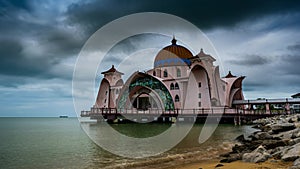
(40,41)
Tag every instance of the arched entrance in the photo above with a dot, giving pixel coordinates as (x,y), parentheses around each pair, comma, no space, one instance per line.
(144,99)
(143,91)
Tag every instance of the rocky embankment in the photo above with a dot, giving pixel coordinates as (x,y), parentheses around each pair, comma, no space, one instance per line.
(278,138)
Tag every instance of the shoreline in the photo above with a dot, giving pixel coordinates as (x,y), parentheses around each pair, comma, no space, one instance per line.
(275,145)
(271,163)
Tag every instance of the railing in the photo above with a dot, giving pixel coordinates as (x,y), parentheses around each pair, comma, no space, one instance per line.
(203,111)
(270,101)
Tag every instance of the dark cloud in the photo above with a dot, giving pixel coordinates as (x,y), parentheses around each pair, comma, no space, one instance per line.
(290,65)
(133,44)
(250,60)
(294,47)
(13,62)
(205,14)
(13,4)
(33,45)
(60,38)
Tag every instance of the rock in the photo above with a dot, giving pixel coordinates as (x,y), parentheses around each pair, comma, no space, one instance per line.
(258,155)
(262,136)
(240,138)
(293,119)
(274,161)
(276,128)
(294,141)
(289,134)
(297,162)
(271,144)
(292,153)
(279,138)
(296,133)
(275,150)
(219,165)
(231,158)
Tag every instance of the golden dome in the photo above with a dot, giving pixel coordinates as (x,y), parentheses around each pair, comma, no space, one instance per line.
(173,55)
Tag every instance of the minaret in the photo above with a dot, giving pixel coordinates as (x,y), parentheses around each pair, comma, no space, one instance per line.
(109,89)
(112,75)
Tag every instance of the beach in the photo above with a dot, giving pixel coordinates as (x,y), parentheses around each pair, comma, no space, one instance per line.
(270,164)
(275,146)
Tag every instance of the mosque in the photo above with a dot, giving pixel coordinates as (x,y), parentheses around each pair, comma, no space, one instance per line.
(179,80)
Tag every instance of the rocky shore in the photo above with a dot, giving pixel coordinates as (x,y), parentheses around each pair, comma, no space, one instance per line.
(278,139)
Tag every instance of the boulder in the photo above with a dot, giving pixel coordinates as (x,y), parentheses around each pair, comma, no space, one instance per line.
(296,133)
(293,119)
(294,141)
(240,138)
(258,155)
(262,136)
(219,165)
(280,127)
(231,158)
(271,144)
(292,153)
(297,162)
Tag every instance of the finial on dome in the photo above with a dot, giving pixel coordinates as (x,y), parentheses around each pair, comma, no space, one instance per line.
(229,75)
(201,50)
(174,40)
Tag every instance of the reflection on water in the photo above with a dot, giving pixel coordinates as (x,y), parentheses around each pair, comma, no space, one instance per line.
(61,143)
(188,150)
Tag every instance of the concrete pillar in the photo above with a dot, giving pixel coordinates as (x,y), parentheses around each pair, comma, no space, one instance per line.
(287,108)
(250,108)
(268,108)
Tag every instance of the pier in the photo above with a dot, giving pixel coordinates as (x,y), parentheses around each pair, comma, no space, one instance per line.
(244,111)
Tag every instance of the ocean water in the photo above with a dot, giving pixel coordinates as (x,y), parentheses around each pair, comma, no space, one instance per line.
(62,143)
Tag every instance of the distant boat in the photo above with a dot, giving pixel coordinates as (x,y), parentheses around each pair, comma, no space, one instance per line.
(63,116)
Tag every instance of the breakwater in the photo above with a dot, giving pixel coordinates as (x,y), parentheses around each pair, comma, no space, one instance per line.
(278,138)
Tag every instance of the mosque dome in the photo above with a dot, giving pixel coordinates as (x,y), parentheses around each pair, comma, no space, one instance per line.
(173,55)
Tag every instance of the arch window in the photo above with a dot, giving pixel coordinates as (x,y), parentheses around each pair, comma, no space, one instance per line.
(154,73)
(199,84)
(177,98)
(165,73)
(178,72)
(176,86)
(172,86)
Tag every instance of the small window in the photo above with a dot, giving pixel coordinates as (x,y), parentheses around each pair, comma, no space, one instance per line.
(199,96)
(178,72)
(106,92)
(176,86)
(154,73)
(105,101)
(199,84)
(165,73)
(199,104)
(177,98)
(172,86)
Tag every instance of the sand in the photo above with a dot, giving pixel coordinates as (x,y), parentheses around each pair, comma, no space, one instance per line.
(270,164)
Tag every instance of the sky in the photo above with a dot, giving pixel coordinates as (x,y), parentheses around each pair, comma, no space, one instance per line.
(41,40)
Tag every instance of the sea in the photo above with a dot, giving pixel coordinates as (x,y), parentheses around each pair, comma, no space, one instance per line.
(62,143)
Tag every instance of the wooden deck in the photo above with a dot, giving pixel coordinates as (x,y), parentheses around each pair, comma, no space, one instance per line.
(216,115)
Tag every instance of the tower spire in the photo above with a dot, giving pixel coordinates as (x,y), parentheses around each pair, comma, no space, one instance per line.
(174,40)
